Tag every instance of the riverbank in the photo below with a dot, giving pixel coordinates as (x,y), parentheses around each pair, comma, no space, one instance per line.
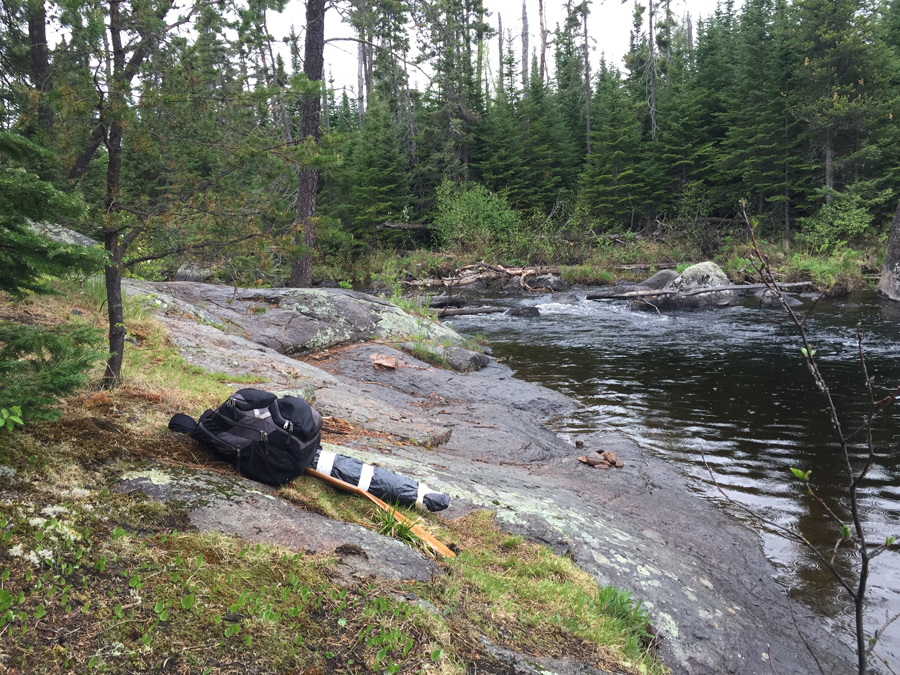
(598,260)
(638,528)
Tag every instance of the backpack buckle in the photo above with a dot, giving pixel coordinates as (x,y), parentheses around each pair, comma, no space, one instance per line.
(263,436)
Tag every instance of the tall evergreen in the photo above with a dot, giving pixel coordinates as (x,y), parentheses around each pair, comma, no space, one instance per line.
(614,189)
(840,86)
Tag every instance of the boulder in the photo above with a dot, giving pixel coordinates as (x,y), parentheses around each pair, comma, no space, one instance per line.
(511,283)
(63,235)
(459,359)
(329,283)
(660,280)
(769,300)
(548,282)
(441,301)
(465,360)
(292,320)
(702,276)
(523,311)
(889,286)
(189,271)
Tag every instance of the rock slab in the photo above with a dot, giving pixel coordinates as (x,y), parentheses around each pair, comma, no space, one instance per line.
(249,510)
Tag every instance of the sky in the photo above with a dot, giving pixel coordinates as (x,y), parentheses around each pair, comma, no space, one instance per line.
(609,25)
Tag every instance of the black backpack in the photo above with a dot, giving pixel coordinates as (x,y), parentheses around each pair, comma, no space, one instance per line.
(268,439)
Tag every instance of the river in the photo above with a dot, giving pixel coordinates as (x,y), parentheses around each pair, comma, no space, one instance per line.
(733,383)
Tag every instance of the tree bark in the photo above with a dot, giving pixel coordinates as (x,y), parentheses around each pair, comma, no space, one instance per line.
(524,49)
(113,272)
(500,36)
(652,75)
(308,180)
(829,167)
(587,85)
(543,29)
(889,286)
(115,311)
(40,60)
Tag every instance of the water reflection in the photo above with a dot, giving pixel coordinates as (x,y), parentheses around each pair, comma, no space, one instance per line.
(733,382)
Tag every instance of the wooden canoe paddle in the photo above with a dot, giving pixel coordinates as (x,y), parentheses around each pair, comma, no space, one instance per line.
(399,517)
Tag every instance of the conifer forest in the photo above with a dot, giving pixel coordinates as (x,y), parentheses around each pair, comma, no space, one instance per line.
(188,128)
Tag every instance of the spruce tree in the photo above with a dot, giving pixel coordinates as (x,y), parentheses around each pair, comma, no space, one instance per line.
(38,365)
(614,189)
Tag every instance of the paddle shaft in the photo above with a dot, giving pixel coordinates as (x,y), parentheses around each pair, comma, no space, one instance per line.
(415,529)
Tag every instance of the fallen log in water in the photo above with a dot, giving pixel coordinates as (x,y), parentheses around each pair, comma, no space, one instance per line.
(460,311)
(625,295)
(482,272)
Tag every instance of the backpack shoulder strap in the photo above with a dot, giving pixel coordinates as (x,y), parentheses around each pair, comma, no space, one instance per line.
(183,424)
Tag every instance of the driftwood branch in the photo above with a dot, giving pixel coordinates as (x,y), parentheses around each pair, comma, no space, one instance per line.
(612,295)
(482,272)
(460,311)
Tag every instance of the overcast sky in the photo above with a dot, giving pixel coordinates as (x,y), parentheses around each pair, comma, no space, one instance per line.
(609,25)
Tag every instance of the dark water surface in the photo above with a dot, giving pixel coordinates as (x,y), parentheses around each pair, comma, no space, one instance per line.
(732,381)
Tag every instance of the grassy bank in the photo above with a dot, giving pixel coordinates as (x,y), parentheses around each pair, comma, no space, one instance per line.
(94,580)
(602,260)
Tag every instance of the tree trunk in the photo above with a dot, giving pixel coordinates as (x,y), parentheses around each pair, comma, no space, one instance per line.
(587,86)
(113,273)
(543,29)
(308,180)
(500,36)
(40,61)
(890,274)
(829,167)
(524,49)
(360,77)
(652,75)
(115,311)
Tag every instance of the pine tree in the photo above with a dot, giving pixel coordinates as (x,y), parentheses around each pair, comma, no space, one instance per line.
(38,365)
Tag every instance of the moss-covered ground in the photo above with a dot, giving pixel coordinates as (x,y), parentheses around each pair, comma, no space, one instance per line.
(95,580)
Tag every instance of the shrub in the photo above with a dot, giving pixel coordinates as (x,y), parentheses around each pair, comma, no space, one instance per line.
(834,225)
(471,217)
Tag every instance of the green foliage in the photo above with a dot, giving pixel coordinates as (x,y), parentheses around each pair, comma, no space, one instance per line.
(470,217)
(26,258)
(40,365)
(10,418)
(835,225)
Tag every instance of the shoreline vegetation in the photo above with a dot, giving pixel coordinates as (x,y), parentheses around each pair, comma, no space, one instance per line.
(836,272)
(97,580)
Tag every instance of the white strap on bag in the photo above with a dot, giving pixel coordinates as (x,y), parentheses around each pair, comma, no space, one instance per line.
(326,462)
(365,477)
(420,496)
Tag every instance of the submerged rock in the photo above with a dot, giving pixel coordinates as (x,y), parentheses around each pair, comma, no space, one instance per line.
(523,311)
(660,280)
(769,300)
(548,282)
